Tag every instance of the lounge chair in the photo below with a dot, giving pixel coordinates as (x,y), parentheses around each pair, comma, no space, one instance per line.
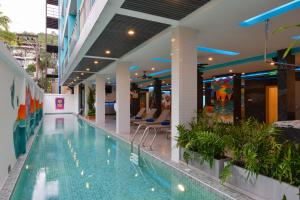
(149,115)
(164,116)
(139,115)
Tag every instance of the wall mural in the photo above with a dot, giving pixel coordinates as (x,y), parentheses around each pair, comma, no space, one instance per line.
(28,117)
(223,104)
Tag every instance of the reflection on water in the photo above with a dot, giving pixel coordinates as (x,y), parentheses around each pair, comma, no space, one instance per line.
(81,162)
(44,189)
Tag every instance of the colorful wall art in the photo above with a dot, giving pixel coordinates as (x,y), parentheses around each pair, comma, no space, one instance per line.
(15,109)
(59,103)
(223,104)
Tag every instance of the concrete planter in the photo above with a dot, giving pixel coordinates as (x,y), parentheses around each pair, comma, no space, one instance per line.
(214,171)
(260,186)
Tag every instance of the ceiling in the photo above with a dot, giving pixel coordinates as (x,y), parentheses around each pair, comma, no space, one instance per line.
(217,23)
(165,8)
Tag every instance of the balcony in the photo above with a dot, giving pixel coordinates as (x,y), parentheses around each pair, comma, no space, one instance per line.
(74,37)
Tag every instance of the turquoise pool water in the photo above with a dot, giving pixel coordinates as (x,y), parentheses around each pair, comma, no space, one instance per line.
(72,160)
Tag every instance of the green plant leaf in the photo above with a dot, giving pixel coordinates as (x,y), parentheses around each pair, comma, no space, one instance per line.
(291,45)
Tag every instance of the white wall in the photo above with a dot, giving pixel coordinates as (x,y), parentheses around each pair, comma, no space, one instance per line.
(11,73)
(49,103)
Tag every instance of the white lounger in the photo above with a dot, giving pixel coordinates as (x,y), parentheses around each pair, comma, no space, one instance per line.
(149,115)
(164,116)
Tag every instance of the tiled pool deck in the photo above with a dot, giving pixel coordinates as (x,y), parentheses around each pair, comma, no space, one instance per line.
(162,149)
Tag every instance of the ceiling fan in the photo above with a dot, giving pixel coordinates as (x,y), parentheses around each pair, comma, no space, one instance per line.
(145,76)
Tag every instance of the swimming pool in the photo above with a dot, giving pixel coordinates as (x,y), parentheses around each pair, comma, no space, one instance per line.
(72,160)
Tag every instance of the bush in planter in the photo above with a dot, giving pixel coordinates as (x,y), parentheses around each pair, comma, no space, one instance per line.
(91,102)
(209,145)
(254,147)
(206,137)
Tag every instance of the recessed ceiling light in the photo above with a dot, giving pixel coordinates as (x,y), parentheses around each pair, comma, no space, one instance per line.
(87,69)
(82,74)
(153,68)
(77,77)
(96,62)
(173,40)
(107,52)
(243,73)
(230,71)
(136,74)
(210,58)
(272,63)
(131,32)
(108,78)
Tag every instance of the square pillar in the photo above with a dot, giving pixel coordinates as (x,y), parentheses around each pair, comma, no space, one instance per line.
(122,98)
(199,91)
(135,99)
(100,99)
(237,98)
(87,86)
(157,96)
(184,81)
(76,99)
(286,81)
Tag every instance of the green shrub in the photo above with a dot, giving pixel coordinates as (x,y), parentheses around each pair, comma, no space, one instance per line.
(249,144)
(91,102)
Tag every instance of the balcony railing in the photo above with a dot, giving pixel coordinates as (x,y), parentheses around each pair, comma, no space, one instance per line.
(78,26)
(74,37)
(85,11)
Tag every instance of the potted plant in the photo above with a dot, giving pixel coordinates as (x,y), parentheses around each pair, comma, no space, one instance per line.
(91,103)
(203,145)
(260,165)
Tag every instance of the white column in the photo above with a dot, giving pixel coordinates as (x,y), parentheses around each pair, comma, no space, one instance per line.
(87,86)
(100,99)
(123,98)
(184,81)
(76,99)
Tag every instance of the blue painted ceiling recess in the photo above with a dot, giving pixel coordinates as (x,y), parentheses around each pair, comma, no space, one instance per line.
(217,51)
(160,72)
(297,37)
(271,13)
(163,60)
(134,68)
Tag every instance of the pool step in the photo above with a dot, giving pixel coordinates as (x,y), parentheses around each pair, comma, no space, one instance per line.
(134,158)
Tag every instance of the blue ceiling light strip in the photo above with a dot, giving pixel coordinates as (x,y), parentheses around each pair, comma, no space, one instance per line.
(134,68)
(217,51)
(271,13)
(239,62)
(163,60)
(208,80)
(160,72)
(297,69)
(295,50)
(296,37)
